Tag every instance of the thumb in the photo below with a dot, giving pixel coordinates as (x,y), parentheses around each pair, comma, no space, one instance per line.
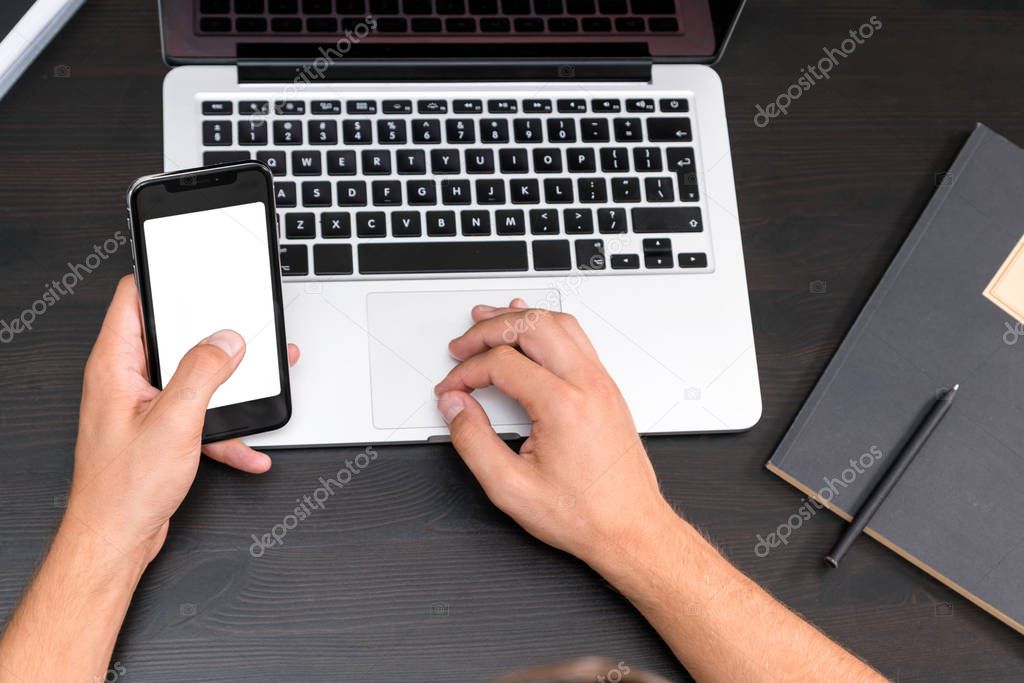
(201,371)
(500,470)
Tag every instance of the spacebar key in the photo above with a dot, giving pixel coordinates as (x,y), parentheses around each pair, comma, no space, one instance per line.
(667,219)
(441,257)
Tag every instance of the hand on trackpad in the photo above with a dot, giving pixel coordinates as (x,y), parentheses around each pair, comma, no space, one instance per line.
(408,336)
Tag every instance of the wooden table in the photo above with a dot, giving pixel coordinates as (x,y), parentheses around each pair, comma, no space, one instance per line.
(409,573)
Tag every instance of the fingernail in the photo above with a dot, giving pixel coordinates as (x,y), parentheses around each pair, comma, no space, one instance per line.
(484,307)
(228,341)
(450,405)
(518,303)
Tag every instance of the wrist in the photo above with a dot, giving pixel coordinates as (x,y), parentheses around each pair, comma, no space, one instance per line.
(101,549)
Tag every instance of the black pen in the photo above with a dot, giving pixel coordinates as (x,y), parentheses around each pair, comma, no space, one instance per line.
(892,475)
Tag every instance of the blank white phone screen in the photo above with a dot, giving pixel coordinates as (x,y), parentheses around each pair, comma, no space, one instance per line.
(210,271)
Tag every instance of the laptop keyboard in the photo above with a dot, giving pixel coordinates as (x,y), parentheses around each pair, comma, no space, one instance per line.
(375,187)
(249,17)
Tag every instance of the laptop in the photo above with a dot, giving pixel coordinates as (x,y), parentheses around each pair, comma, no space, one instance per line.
(430,155)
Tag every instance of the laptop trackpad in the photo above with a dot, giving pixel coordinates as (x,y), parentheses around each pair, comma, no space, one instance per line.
(408,336)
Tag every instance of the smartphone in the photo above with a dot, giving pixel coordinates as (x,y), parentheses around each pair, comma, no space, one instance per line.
(204,249)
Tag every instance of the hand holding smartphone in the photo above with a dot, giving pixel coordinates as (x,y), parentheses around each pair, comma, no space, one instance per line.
(206,258)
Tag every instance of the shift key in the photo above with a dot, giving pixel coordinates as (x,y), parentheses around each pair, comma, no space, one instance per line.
(667,219)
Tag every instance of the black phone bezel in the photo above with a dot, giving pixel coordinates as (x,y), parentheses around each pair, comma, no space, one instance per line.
(199,189)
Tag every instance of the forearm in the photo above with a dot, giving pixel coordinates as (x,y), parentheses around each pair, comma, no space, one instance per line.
(719,623)
(67,623)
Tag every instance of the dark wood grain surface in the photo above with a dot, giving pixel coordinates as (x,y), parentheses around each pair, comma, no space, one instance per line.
(408,573)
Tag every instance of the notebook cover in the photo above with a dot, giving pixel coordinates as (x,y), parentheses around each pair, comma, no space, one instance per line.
(958,511)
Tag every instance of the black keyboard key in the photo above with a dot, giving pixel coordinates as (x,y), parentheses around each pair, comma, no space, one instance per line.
(476,256)
(580,160)
(647,159)
(512,160)
(693,260)
(642,104)
(490,191)
(493,131)
(398,106)
(657,245)
(286,24)
(502,106)
(479,161)
(563,25)
(216,133)
(411,161)
(253,107)
(387,192)
(547,160)
(544,222)
(417,6)
(475,223)
(468,106)
(667,219)
(653,261)
(351,6)
(572,106)
(495,25)
(289,107)
(510,222)
(326,107)
(284,194)
(527,130)
(214,6)
(406,224)
(217,108)
(294,259)
(551,255)
(432,107)
(306,163)
(594,130)
(460,131)
(483,6)
(625,190)
(444,161)
(426,131)
(515,6)
(629,24)
(612,6)
(596,24)
(455,192)
(669,130)
(356,131)
(628,130)
(299,226)
(332,259)
(215,25)
(317,6)
(275,161)
(371,224)
(529,25)
(561,130)
(391,132)
(251,25)
(578,221)
(524,191)
(376,162)
(323,132)
(558,190)
(392,25)
(625,262)
(605,105)
(441,223)
(341,162)
(287,132)
(674,104)
(460,25)
(351,193)
(659,189)
(335,225)
(614,159)
(590,255)
(592,190)
(361,107)
(210,158)
(421,192)
(317,193)
(611,221)
(681,160)
(663,24)
(535,106)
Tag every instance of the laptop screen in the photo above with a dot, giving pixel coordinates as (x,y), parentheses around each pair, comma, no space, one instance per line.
(216,31)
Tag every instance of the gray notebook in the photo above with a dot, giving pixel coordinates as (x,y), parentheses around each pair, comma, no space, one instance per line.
(949,309)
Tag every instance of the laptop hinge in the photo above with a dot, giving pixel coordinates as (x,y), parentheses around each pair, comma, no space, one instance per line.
(303,73)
